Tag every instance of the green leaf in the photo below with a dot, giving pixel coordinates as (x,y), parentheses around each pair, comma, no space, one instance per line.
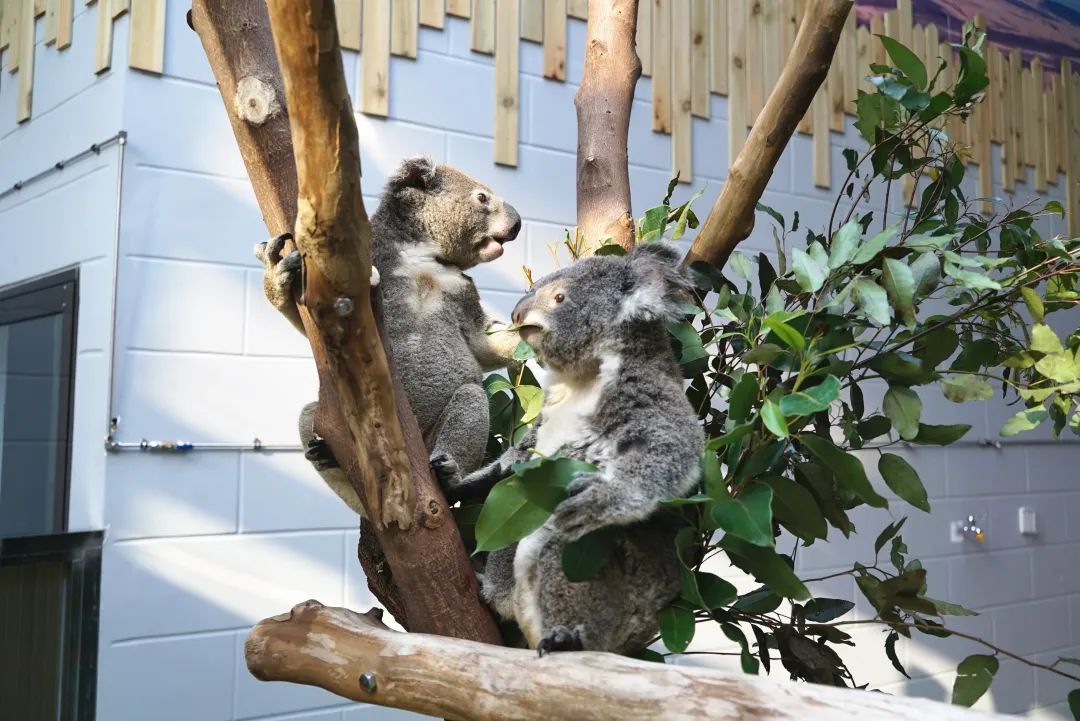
(926,272)
(1033,302)
(973,678)
(582,559)
(890,651)
(676,628)
(1074,703)
(940,435)
(903,480)
(742,397)
(887,533)
(748,515)
(899,284)
(902,368)
(959,389)
(808,273)
(713,476)
(794,507)
(1060,367)
(1025,420)
(766,566)
(715,592)
(763,354)
(740,265)
(692,353)
(523,351)
(907,61)
(845,242)
(760,600)
(846,468)
(762,208)
(875,245)
(532,402)
(872,427)
(735,434)
(970,279)
(822,610)
(872,300)
(903,407)
(1044,339)
(747,661)
(944,608)
(812,400)
(507,516)
(791,337)
(652,223)
(817,251)
(773,418)
(937,346)
(544,480)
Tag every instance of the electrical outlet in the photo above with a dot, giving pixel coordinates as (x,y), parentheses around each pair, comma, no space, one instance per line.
(1028,521)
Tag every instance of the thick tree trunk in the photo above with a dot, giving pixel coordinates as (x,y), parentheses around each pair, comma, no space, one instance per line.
(364,414)
(732,217)
(603,102)
(354,655)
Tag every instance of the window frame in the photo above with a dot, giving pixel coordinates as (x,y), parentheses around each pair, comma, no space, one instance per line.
(54,294)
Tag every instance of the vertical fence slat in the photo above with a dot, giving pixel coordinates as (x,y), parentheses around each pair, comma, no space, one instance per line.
(755,72)
(146,36)
(789,26)
(403,28)
(433,13)
(1071,86)
(375,80)
(877,27)
(822,170)
(863,57)
(718,46)
(1062,124)
(459,8)
(1038,129)
(771,40)
(682,91)
(506,82)
(806,122)
(643,39)
(483,26)
(578,9)
(15,8)
(850,66)
(532,21)
(1050,136)
(119,7)
(25,97)
(736,77)
(1008,135)
(347,13)
(661,78)
(699,58)
(993,93)
(555,39)
(104,40)
(49,34)
(1016,91)
(65,16)
(903,21)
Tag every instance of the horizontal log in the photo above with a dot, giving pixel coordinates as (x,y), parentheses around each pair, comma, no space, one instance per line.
(356,656)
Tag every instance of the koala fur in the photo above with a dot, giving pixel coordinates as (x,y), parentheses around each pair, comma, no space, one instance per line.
(616,400)
(432,223)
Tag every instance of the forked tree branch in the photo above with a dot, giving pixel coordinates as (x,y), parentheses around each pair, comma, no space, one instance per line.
(603,102)
(731,219)
(354,655)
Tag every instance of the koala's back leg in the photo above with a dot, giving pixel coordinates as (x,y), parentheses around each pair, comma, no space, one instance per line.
(497,585)
(319,454)
(460,436)
(577,616)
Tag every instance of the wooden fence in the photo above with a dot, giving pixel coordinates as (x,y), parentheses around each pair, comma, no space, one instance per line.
(690,48)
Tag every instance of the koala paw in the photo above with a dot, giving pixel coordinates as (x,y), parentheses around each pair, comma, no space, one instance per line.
(280,274)
(375,277)
(580,481)
(318,452)
(446,470)
(560,638)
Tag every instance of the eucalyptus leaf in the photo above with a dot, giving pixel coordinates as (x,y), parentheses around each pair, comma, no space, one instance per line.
(899,284)
(676,627)
(845,243)
(808,273)
(903,480)
(973,678)
(1026,420)
(872,300)
(748,515)
(875,245)
(962,388)
(902,406)
(846,468)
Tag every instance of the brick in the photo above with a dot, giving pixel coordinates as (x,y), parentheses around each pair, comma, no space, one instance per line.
(1050,688)
(266,330)
(976,470)
(381,713)
(1004,523)
(466,84)
(1031,627)
(384,143)
(281,491)
(980,580)
(1054,570)
(1053,467)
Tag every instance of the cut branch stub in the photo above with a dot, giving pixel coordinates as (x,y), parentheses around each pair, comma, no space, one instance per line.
(603,102)
(731,219)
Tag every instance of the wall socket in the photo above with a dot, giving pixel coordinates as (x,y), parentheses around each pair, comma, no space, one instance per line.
(1028,521)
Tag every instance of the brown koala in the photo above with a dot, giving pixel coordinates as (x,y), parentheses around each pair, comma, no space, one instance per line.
(433,222)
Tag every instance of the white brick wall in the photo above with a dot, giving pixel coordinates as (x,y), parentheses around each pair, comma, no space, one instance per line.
(201,546)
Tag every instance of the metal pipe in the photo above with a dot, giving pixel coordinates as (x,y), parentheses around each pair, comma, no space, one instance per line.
(60,165)
(112,421)
(176,446)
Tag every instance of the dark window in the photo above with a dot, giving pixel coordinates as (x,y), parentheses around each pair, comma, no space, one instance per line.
(37,341)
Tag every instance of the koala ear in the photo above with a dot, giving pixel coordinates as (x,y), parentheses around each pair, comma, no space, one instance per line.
(657,283)
(417,172)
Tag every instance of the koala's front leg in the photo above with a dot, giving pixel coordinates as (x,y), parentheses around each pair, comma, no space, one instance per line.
(281,277)
(493,344)
(479,482)
(318,452)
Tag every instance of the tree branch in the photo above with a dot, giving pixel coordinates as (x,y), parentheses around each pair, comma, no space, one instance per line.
(732,217)
(603,102)
(354,655)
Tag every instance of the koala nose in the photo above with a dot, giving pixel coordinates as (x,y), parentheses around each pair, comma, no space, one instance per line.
(521,309)
(516,227)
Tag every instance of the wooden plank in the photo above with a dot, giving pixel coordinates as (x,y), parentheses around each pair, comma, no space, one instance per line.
(532,21)
(682,92)
(555,39)
(15,35)
(119,7)
(1071,102)
(718,46)
(822,170)
(850,63)
(65,17)
(404,16)
(933,54)
(1038,130)
(1016,88)
(789,26)
(1008,135)
(483,26)
(806,122)
(507,23)
(771,41)
(348,23)
(24,100)
(3,25)
(375,78)
(863,57)
(459,8)
(578,9)
(104,40)
(661,78)
(49,34)
(433,12)
(881,25)
(1062,123)
(146,36)
(643,38)
(736,105)
(980,139)
(903,21)
(755,70)
(1050,149)
(698,30)
(995,93)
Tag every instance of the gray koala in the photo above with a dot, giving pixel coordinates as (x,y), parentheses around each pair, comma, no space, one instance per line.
(616,400)
(433,223)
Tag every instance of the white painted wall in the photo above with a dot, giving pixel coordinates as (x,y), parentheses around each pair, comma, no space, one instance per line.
(201,546)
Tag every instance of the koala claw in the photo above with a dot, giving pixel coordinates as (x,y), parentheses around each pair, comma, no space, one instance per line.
(375,277)
(446,470)
(318,452)
(560,638)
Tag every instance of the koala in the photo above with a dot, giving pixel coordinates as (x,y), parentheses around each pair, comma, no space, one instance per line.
(432,224)
(615,400)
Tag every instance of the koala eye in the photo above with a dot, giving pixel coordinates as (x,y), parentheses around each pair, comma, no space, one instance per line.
(559,297)
(482,198)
